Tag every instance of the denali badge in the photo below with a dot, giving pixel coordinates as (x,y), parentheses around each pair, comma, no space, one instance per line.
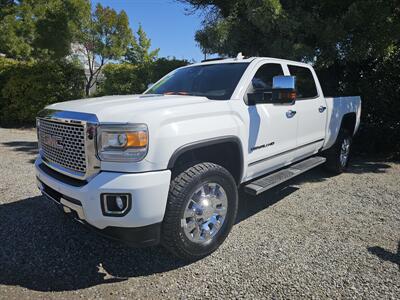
(52,140)
(262,146)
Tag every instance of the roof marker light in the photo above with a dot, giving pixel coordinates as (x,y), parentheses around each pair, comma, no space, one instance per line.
(239,56)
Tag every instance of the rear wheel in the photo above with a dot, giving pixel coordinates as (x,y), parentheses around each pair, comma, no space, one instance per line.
(338,155)
(201,211)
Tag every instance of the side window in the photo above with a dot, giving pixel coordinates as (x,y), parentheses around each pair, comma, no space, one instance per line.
(262,80)
(305,83)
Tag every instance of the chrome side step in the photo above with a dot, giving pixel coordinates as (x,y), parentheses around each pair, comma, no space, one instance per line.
(265,183)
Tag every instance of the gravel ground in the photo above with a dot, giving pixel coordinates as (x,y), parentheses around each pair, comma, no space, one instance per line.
(316,237)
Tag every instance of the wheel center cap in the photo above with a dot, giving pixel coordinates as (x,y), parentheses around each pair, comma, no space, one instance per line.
(207,208)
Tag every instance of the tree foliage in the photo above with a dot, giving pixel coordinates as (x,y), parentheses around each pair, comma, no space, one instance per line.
(127,78)
(105,37)
(310,30)
(40,28)
(120,79)
(27,87)
(139,49)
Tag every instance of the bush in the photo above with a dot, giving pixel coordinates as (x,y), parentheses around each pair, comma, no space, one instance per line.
(26,88)
(163,66)
(127,78)
(120,79)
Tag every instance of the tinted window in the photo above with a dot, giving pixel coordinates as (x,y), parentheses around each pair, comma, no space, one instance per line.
(305,83)
(214,81)
(263,78)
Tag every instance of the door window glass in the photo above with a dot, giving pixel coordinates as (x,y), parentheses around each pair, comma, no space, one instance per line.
(262,80)
(305,84)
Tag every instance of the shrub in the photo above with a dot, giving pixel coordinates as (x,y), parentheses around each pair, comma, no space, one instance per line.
(127,78)
(163,66)
(28,87)
(120,79)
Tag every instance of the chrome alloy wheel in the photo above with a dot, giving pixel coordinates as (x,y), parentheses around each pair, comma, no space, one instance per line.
(205,213)
(344,152)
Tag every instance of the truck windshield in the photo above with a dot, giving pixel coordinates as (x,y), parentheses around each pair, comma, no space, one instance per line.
(214,81)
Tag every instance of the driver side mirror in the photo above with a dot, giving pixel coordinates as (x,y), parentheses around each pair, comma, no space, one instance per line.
(283,92)
(284,89)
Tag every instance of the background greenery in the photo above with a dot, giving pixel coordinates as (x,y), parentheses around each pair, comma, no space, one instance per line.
(353,44)
(26,87)
(38,68)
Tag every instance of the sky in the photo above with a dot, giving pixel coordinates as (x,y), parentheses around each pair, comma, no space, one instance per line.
(165,22)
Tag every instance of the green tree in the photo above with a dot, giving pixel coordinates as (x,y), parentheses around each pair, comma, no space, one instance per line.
(60,25)
(310,30)
(105,37)
(41,28)
(140,55)
(139,49)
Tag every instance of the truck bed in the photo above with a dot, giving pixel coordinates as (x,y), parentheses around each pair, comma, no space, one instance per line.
(337,107)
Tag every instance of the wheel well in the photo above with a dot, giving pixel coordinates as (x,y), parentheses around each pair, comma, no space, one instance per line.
(349,122)
(226,153)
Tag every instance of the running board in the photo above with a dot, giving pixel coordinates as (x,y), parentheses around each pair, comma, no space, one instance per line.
(265,183)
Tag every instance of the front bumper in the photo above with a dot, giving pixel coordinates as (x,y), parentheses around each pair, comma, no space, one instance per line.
(140,225)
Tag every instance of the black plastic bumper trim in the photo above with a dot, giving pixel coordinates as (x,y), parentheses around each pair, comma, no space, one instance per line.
(143,236)
(60,177)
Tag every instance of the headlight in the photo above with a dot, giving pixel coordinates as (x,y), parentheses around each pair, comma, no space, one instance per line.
(122,142)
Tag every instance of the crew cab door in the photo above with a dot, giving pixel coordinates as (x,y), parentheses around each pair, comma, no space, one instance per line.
(311,111)
(272,128)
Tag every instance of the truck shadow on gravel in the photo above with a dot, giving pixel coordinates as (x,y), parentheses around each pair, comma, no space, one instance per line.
(42,249)
(30,148)
(23,146)
(386,255)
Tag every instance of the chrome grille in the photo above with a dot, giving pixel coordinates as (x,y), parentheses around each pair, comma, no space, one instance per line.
(63,144)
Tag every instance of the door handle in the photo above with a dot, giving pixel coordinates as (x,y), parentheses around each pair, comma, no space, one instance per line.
(290,113)
(321,109)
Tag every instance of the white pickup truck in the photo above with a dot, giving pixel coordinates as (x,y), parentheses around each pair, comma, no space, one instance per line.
(165,166)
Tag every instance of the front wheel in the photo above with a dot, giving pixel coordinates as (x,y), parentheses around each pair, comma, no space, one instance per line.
(337,157)
(201,210)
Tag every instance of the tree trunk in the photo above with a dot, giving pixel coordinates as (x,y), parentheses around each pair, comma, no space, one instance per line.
(88,85)
(87,89)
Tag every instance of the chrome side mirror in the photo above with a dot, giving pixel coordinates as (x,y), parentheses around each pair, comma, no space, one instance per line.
(284,89)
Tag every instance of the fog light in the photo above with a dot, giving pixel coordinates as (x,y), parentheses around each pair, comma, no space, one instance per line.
(120,203)
(115,204)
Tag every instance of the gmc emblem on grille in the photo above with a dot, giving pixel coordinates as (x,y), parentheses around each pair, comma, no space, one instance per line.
(52,140)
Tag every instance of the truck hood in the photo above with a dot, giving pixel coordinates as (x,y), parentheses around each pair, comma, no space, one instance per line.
(128,108)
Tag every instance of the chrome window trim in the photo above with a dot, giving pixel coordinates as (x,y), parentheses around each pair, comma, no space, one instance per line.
(90,124)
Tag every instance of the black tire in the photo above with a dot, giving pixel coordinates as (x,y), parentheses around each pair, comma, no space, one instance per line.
(333,162)
(182,187)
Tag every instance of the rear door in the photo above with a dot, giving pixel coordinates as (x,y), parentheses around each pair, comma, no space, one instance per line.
(272,128)
(311,111)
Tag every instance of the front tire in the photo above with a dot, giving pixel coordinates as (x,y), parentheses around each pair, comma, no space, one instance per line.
(201,210)
(337,157)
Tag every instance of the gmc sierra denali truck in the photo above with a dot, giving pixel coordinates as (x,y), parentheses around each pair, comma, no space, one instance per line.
(165,166)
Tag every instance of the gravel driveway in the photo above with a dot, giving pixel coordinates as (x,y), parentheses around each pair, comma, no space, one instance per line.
(316,237)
